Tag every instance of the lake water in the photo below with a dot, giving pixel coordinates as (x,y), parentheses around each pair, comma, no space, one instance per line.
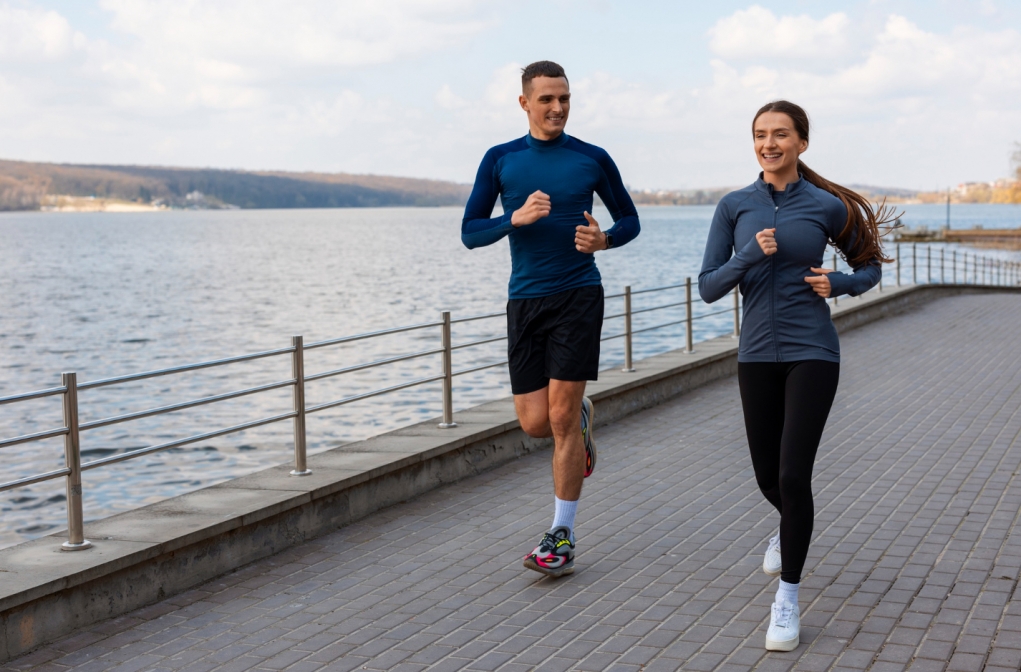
(108,294)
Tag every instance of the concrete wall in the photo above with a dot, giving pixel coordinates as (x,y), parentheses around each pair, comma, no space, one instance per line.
(156,551)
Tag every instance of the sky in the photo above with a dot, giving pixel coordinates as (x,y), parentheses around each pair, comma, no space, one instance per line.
(902,93)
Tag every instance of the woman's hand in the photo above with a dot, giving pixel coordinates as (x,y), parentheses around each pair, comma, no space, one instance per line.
(767,241)
(820,283)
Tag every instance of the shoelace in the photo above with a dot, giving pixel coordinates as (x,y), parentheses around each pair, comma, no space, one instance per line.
(548,543)
(775,542)
(782,614)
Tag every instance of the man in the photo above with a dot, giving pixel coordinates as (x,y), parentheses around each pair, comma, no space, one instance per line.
(555,309)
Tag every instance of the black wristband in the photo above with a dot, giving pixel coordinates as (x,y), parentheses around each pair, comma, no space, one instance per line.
(609,240)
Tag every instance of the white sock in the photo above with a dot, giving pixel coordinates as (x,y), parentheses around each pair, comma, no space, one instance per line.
(564,513)
(787,591)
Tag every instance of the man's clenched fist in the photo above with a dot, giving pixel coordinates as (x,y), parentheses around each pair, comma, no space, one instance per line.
(535,208)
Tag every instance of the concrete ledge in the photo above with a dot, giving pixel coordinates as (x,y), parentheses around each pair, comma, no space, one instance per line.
(156,551)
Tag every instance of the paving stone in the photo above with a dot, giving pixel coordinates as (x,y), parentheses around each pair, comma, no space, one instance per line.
(916,553)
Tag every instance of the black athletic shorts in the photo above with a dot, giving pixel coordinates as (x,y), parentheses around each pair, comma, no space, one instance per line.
(554,337)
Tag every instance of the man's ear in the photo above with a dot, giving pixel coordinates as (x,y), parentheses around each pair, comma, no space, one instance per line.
(523,102)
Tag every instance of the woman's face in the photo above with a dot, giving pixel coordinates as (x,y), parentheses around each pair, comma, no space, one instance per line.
(777,144)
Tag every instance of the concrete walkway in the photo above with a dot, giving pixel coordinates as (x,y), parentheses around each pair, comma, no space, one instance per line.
(914,565)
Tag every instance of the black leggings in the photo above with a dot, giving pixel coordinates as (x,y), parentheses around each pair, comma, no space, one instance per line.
(785,409)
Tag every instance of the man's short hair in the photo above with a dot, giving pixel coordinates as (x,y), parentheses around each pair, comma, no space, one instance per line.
(539,69)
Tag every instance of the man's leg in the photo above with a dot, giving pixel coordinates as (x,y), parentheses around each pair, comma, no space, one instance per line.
(570,357)
(569,447)
(556,411)
(533,413)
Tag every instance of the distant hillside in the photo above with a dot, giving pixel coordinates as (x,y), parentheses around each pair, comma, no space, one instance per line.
(713,196)
(29,186)
(680,197)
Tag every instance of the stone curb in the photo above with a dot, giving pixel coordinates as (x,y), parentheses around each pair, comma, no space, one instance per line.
(156,551)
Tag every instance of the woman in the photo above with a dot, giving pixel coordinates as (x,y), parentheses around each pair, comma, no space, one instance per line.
(769,238)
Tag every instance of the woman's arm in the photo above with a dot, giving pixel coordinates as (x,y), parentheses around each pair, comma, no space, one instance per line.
(863,276)
(721,272)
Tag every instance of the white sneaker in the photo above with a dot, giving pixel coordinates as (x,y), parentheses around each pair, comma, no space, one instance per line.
(784,632)
(771,563)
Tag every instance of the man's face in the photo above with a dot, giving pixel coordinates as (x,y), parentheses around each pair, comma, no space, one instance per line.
(547,102)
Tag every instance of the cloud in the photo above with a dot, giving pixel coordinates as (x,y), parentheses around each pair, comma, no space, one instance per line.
(909,92)
(28,35)
(370,86)
(757,33)
(904,65)
(261,38)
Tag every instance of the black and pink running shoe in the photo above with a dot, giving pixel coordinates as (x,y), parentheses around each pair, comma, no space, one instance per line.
(554,556)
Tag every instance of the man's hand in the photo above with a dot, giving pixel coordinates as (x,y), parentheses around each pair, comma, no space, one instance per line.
(589,239)
(820,283)
(535,208)
(767,241)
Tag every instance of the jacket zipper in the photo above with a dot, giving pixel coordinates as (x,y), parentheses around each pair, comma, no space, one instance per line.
(772,282)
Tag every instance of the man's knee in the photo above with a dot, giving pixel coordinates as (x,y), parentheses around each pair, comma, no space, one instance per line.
(534,425)
(564,419)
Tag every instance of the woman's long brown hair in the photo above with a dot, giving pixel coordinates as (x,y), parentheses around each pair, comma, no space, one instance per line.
(863,219)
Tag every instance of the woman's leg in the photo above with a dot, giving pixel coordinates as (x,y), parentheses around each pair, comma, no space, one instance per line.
(762,399)
(808,396)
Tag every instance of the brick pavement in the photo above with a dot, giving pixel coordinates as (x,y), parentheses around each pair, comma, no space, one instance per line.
(914,565)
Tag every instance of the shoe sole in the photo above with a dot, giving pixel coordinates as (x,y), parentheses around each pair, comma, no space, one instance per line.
(553,573)
(776,573)
(590,444)
(788,645)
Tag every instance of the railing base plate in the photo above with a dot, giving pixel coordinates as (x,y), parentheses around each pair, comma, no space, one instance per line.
(68,546)
(295,472)
(447,425)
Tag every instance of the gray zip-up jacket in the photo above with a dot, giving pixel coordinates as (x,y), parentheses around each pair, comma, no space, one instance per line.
(784,319)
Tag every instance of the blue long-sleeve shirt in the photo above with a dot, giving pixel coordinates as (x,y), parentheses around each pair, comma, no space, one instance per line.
(544,260)
(784,319)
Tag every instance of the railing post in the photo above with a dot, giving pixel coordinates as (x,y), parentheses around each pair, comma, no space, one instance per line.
(898,265)
(628,353)
(737,313)
(76,540)
(298,373)
(448,374)
(835,268)
(689,339)
(942,266)
(914,263)
(928,264)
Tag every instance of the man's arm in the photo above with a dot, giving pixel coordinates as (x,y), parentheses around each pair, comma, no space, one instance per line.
(611,190)
(478,228)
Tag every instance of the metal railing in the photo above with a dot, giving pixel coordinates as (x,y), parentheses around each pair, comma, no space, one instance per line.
(990,271)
